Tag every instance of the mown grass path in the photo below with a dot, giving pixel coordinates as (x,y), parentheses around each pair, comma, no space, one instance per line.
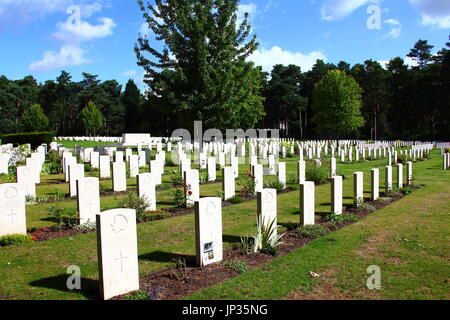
(409,241)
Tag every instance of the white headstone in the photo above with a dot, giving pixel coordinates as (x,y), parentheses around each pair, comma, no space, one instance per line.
(307,203)
(76,172)
(399,176)
(336,195)
(212,174)
(12,209)
(375,184)
(358,188)
(208,231)
(257,171)
(25,177)
(228,183)
(301,167)
(267,208)
(281,172)
(147,188)
(117,252)
(191,186)
(88,200)
(105,167)
(388,179)
(119,177)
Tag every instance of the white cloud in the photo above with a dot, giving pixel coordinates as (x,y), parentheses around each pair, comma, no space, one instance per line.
(250,8)
(88,10)
(129,74)
(396,28)
(438,22)
(22,12)
(270,4)
(339,9)
(435,13)
(67,56)
(73,33)
(82,31)
(144,30)
(267,58)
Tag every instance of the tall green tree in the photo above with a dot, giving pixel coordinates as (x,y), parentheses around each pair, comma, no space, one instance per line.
(91,118)
(201,69)
(132,102)
(284,103)
(33,119)
(337,104)
(372,78)
(421,53)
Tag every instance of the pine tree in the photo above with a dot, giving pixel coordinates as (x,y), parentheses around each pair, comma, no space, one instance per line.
(201,74)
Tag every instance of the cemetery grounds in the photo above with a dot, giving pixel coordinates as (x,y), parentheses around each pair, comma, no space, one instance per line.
(409,240)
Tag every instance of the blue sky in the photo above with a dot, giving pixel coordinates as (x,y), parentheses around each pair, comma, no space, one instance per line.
(43,37)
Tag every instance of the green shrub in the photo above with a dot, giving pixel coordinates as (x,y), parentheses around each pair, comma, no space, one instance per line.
(236,200)
(407,190)
(274,184)
(248,185)
(203,176)
(177,180)
(58,194)
(102,188)
(247,244)
(239,267)
(341,218)
(133,201)
(67,217)
(33,138)
(179,198)
(313,231)
(88,168)
(267,240)
(317,174)
(402,159)
(15,239)
(138,295)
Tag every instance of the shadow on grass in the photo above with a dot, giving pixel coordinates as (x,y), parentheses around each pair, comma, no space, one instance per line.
(231,239)
(161,256)
(89,287)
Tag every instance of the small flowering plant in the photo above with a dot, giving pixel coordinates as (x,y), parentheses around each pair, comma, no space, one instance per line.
(248,184)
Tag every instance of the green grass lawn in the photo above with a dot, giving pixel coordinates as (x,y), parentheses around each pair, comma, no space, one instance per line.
(86,144)
(409,241)
(37,270)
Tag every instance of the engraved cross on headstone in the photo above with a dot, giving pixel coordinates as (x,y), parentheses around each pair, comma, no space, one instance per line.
(12,214)
(121,258)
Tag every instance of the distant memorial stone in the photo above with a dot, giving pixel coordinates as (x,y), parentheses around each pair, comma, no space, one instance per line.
(119,177)
(76,172)
(375,184)
(25,177)
(105,167)
(307,203)
(336,195)
(228,183)
(147,188)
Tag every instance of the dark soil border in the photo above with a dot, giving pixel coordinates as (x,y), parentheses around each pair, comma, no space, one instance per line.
(174,284)
(56,232)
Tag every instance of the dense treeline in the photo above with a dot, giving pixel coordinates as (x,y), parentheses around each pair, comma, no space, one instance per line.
(399,102)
